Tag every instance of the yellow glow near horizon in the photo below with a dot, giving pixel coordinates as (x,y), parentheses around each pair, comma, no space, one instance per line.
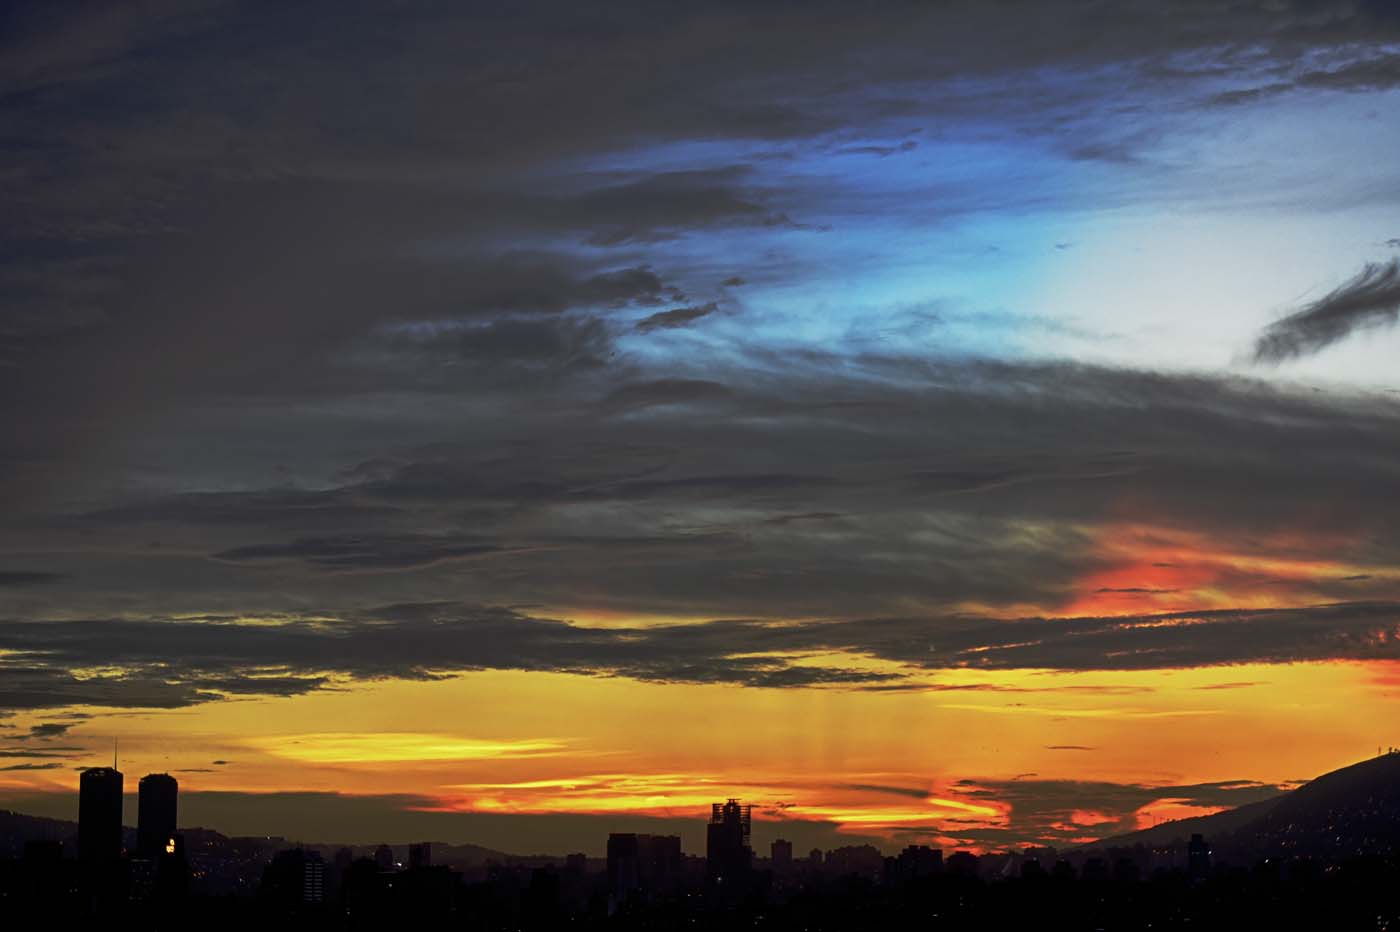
(607,745)
(380,747)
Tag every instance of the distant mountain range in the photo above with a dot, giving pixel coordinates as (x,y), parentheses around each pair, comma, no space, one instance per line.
(1345,813)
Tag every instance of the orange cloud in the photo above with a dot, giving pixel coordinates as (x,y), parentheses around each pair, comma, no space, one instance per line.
(1156,569)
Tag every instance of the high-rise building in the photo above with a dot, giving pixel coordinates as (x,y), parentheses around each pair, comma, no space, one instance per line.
(100,814)
(420,855)
(727,852)
(1198,856)
(650,863)
(155,814)
(313,878)
(384,858)
(782,855)
(295,876)
(624,863)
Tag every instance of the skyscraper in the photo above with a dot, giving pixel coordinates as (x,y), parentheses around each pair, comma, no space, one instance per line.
(727,852)
(155,813)
(100,814)
(782,855)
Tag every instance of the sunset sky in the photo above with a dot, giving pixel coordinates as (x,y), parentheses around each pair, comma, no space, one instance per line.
(974,423)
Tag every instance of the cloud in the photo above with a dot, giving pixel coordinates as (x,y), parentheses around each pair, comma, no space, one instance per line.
(908,145)
(780,486)
(370,553)
(49,729)
(1371,299)
(680,317)
(659,206)
(28,579)
(173,663)
(49,766)
(362,747)
(1066,811)
(912,792)
(1379,73)
(510,347)
(637,395)
(48,751)
(294,339)
(1368,73)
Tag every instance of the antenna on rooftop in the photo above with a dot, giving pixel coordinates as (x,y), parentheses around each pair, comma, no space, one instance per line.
(114,753)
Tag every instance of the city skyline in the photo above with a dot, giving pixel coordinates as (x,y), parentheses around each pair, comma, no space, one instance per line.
(972,425)
(1327,849)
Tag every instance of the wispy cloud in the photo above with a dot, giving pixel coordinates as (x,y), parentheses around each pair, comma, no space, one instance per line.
(1370,299)
(680,317)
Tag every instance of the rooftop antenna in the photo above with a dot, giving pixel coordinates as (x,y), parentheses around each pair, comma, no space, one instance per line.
(114,753)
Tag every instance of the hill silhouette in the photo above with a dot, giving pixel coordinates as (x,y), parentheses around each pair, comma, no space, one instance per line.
(1348,812)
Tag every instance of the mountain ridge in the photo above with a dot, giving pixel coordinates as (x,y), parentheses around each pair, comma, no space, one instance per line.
(1351,811)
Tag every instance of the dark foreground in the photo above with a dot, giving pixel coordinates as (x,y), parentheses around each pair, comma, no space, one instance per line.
(1362,893)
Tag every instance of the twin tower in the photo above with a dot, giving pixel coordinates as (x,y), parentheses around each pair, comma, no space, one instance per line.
(100,815)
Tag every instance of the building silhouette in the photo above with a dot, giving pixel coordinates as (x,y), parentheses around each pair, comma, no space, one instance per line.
(294,876)
(420,855)
(313,878)
(1198,856)
(100,814)
(643,863)
(961,864)
(384,858)
(156,815)
(781,854)
(918,861)
(728,856)
(856,860)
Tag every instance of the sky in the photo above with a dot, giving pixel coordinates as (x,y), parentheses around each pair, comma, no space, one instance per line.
(966,423)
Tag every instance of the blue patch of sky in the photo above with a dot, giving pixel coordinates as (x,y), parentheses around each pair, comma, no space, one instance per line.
(916,251)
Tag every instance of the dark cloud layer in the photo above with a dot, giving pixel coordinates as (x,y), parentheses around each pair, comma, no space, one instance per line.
(1367,73)
(172,663)
(1371,299)
(27,579)
(795,496)
(313,311)
(756,493)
